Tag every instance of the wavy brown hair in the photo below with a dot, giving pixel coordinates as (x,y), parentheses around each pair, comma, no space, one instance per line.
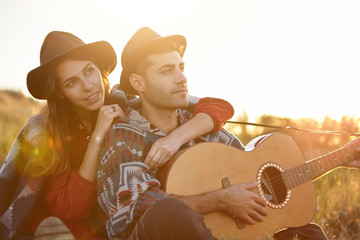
(58,115)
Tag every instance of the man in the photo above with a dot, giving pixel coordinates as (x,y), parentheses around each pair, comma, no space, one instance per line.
(128,190)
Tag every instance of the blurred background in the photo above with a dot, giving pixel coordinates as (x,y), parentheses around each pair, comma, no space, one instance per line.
(282,63)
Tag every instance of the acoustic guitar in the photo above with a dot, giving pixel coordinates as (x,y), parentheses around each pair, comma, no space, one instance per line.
(275,161)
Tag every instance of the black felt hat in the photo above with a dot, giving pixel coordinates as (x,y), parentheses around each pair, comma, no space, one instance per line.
(142,40)
(59,44)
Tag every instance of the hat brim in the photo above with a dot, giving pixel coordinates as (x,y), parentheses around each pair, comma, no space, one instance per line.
(102,52)
(180,47)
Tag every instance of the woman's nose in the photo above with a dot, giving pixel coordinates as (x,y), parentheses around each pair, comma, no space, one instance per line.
(87,85)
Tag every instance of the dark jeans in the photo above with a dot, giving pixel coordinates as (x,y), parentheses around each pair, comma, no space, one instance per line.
(171,219)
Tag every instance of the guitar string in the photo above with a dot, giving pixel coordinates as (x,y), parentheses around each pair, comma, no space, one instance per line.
(317,131)
(278,180)
(297,177)
(278,183)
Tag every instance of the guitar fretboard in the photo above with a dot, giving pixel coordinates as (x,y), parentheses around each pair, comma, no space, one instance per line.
(316,167)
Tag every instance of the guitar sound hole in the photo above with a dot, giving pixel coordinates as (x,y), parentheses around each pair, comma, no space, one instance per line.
(273,186)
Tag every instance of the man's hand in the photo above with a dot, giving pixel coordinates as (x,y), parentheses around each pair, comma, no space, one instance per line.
(161,151)
(241,202)
(355,163)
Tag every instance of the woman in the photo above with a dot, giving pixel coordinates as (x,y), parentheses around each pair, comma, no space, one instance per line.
(51,168)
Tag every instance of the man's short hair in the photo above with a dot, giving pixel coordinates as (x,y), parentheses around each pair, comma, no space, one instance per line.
(143,62)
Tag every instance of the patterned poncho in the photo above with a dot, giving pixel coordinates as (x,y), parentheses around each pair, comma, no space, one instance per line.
(18,192)
(126,186)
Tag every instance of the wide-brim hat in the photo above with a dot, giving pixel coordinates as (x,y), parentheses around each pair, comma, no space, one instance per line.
(143,40)
(58,45)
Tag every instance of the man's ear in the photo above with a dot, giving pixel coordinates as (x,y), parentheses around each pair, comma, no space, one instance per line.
(137,82)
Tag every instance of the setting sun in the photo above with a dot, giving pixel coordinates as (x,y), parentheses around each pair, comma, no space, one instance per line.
(290,59)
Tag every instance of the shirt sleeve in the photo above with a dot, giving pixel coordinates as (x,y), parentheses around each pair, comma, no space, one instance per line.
(218,109)
(70,196)
(126,186)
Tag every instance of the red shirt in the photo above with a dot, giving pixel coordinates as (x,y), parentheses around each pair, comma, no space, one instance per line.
(72,198)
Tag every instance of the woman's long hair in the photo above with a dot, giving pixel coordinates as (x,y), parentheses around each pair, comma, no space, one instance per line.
(59,114)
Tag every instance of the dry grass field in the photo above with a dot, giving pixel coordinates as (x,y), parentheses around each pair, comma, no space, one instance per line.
(338,193)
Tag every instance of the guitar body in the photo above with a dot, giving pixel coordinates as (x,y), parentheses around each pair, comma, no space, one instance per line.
(201,168)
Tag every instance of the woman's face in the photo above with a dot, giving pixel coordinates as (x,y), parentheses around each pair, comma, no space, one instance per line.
(80,82)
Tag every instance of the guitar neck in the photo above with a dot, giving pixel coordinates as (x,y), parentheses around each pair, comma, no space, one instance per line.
(317,167)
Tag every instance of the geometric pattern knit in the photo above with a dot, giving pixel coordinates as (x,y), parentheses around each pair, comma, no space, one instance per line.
(126,186)
(18,192)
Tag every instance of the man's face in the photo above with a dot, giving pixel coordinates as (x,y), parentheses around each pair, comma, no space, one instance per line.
(165,84)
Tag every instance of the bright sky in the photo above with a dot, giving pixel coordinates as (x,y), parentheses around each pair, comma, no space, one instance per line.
(283,58)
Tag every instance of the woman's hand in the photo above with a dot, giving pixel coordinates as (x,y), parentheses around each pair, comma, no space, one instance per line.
(162,150)
(106,115)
